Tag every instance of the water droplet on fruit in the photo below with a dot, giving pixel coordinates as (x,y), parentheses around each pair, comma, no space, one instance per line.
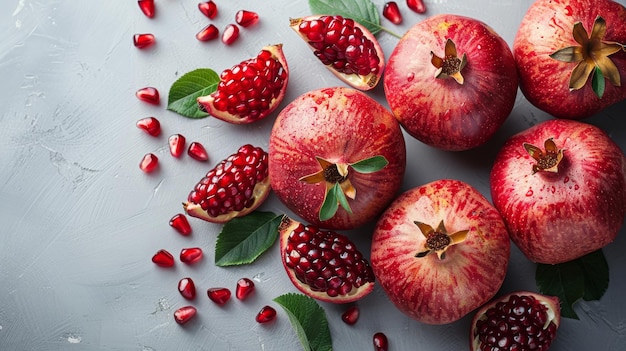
(529,192)
(566,179)
(576,187)
(410,77)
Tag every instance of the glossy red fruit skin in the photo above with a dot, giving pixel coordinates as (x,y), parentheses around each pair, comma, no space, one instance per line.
(197,152)
(429,289)
(150,125)
(208,8)
(177,144)
(208,33)
(266,314)
(416,5)
(163,259)
(187,288)
(149,95)
(219,295)
(547,27)
(184,314)
(147,7)
(245,287)
(143,40)
(380,341)
(557,217)
(149,163)
(191,255)
(246,18)
(230,34)
(391,11)
(181,224)
(314,125)
(441,112)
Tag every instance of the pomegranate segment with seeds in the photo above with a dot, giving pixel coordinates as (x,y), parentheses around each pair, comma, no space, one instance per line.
(324,265)
(246,18)
(266,314)
(147,7)
(391,11)
(143,40)
(184,314)
(197,152)
(149,95)
(235,187)
(416,5)
(191,255)
(245,287)
(208,8)
(177,144)
(163,259)
(345,47)
(181,224)
(231,34)
(187,288)
(150,125)
(149,163)
(208,33)
(219,295)
(250,90)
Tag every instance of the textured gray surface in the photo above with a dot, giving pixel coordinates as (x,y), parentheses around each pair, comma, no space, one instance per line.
(80,221)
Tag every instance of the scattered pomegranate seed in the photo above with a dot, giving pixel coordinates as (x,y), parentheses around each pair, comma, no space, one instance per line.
(184,314)
(197,151)
(208,8)
(143,40)
(207,33)
(149,163)
(246,18)
(149,95)
(181,224)
(392,12)
(219,295)
(380,342)
(163,258)
(191,255)
(187,288)
(150,125)
(147,7)
(266,314)
(230,35)
(245,287)
(351,315)
(177,144)
(416,5)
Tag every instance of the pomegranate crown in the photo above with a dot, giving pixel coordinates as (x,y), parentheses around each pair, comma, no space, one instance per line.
(438,240)
(548,160)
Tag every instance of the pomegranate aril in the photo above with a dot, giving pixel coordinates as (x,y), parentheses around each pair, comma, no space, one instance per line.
(392,12)
(266,314)
(416,5)
(184,314)
(351,315)
(190,255)
(163,258)
(245,287)
(147,7)
(380,342)
(149,163)
(150,125)
(208,8)
(149,95)
(207,33)
(219,295)
(187,288)
(197,151)
(230,35)
(143,40)
(181,224)
(246,18)
(177,144)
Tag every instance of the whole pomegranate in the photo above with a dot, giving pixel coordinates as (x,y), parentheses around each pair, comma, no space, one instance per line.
(439,251)
(451,81)
(520,320)
(563,48)
(561,189)
(336,157)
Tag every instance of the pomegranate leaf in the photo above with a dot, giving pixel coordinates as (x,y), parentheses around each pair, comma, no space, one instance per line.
(186,89)
(585,278)
(597,82)
(370,165)
(308,318)
(242,240)
(362,11)
(330,204)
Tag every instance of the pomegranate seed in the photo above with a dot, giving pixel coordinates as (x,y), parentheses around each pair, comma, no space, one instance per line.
(143,40)
(181,224)
(177,144)
(380,342)
(219,295)
(230,35)
(246,18)
(197,151)
(163,258)
(245,287)
(184,314)
(150,125)
(149,163)
(147,7)
(351,315)
(208,8)
(149,95)
(187,288)
(266,314)
(191,255)
(207,33)
(416,5)
(392,12)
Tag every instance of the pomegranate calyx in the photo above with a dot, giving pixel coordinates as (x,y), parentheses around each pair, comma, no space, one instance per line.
(438,240)
(450,65)
(591,56)
(548,160)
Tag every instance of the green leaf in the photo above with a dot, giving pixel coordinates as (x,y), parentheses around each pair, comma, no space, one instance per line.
(597,82)
(330,204)
(242,240)
(309,321)
(596,273)
(362,11)
(186,89)
(341,199)
(370,165)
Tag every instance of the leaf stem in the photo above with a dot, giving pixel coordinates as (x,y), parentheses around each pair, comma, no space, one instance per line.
(390,32)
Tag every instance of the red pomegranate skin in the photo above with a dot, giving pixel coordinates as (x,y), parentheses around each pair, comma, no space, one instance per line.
(341,125)
(557,217)
(441,112)
(546,28)
(429,289)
